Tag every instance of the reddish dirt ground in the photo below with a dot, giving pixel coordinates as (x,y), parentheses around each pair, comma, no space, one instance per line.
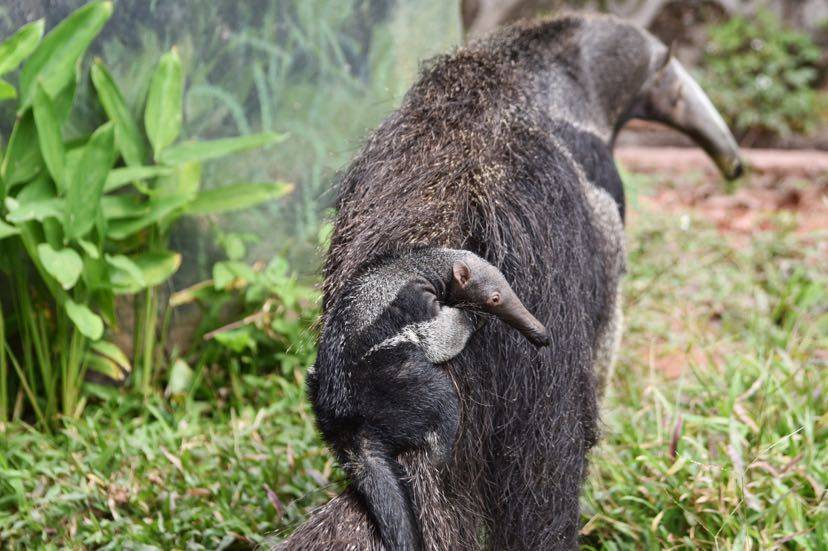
(794,182)
(783,191)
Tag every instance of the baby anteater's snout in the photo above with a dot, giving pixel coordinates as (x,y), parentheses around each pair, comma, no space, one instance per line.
(516,315)
(477,283)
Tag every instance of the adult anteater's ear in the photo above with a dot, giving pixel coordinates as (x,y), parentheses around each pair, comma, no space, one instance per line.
(462,273)
(671,96)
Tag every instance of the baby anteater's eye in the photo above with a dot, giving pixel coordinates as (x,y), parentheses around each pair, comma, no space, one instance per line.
(495,298)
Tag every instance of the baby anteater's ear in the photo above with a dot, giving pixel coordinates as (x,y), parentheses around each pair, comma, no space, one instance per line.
(462,273)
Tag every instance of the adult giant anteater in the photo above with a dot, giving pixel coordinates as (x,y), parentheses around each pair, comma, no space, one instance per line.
(505,148)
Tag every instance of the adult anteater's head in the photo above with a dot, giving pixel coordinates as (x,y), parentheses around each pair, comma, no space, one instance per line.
(669,95)
(615,71)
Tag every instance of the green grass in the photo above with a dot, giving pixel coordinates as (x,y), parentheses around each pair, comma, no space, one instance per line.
(192,475)
(715,425)
(714,428)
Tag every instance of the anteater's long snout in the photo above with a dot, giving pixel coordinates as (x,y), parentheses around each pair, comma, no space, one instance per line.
(674,98)
(515,314)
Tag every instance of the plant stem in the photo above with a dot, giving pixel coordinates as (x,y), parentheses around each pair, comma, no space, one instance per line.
(4,372)
(38,413)
(28,332)
(42,343)
(75,372)
(148,320)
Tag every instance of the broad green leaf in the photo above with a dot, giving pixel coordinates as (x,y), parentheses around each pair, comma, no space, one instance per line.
(184,181)
(155,268)
(89,248)
(231,272)
(64,98)
(158,209)
(6,230)
(85,185)
(237,197)
(202,151)
(105,301)
(64,265)
(127,135)
(88,323)
(123,206)
(22,161)
(181,378)
(108,360)
(39,189)
(120,177)
(53,61)
(73,157)
(162,117)
(158,267)
(7,91)
(277,270)
(49,135)
(103,367)
(96,274)
(233,246)
(123,283)
(237,340)
(127,271)
(53,232)
(114,353)
(39,209)
(38,201)
(20,45)
(222,276)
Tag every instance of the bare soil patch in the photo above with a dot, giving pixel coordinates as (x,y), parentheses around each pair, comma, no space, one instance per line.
(782,188)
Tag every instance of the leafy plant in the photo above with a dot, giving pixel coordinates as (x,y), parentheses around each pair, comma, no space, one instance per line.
(763,76)
(256,319)
(326,71)
(85,220)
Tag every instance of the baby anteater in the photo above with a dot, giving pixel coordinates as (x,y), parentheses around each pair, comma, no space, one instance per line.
(375,387)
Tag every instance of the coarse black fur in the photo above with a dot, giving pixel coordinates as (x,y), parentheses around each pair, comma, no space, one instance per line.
(490,178)
(402,398)
(370,410)
(599,168)
(504,148)
(375,388)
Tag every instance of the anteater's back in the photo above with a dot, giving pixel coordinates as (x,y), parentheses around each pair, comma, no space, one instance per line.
(471,160)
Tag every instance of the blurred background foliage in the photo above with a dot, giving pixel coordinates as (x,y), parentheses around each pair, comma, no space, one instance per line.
(763,76)
(324,71)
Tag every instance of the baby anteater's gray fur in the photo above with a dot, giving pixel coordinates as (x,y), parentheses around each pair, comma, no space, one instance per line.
(505,149)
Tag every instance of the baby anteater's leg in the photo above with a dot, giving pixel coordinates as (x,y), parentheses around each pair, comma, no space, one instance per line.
(408,402)
(441,440)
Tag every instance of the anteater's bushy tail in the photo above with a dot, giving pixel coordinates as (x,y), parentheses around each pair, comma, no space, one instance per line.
(378,479)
